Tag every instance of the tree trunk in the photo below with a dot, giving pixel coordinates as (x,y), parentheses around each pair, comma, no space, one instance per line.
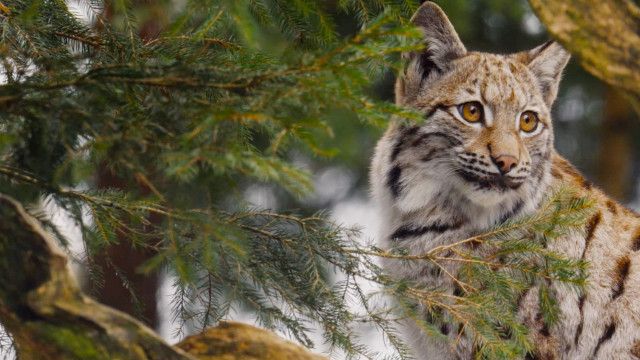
(50,318)
(123,287)
(603,35)
(615,162)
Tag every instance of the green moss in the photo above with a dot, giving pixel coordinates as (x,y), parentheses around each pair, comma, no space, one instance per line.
(73,343)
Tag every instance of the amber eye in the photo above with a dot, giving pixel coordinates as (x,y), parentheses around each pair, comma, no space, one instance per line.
(528,121)
(471,111)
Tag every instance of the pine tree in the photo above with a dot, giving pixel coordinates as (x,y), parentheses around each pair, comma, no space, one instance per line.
(219,99)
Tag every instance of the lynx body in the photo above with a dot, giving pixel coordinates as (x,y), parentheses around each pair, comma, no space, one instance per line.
(485,154)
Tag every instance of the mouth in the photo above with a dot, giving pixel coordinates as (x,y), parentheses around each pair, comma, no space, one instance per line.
(490,181)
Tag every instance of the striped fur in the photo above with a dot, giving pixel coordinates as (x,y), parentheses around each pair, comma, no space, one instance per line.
(439,182)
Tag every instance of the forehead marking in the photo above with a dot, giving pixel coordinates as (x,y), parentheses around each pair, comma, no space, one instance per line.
(502,86)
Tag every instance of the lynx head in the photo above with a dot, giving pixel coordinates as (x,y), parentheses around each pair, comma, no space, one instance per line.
(494,109)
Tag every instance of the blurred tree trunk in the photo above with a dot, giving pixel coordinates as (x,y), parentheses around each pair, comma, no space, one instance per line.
(605,38)
(50,319)
(615,160)
(123,287)
(603,35)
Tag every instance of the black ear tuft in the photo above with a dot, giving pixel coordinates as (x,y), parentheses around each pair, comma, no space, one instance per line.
(427,65)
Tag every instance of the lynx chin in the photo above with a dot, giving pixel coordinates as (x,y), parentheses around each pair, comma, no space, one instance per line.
(484,155)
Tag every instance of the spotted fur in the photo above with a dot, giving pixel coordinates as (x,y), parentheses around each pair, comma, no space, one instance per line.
(441,182)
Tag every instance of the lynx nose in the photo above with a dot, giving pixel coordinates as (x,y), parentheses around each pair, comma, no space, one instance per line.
(505,163)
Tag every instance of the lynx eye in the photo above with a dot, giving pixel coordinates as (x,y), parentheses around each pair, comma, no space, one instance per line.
(471,111)
(529,121)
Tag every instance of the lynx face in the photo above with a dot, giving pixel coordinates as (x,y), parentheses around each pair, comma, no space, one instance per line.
(492,109)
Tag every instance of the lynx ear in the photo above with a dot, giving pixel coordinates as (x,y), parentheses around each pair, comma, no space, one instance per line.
(546,62)
(442,45)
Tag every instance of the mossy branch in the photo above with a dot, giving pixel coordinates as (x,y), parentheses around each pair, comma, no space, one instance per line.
(603,35)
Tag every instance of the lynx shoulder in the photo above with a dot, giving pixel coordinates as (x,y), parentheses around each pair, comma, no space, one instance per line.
(484,155)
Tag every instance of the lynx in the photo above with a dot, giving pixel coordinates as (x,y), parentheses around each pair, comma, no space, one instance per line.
(485,155)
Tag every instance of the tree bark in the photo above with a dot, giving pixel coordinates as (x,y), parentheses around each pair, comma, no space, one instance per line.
(615,155)
(237,341)
(603,35)
(123,286)
(50,318)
